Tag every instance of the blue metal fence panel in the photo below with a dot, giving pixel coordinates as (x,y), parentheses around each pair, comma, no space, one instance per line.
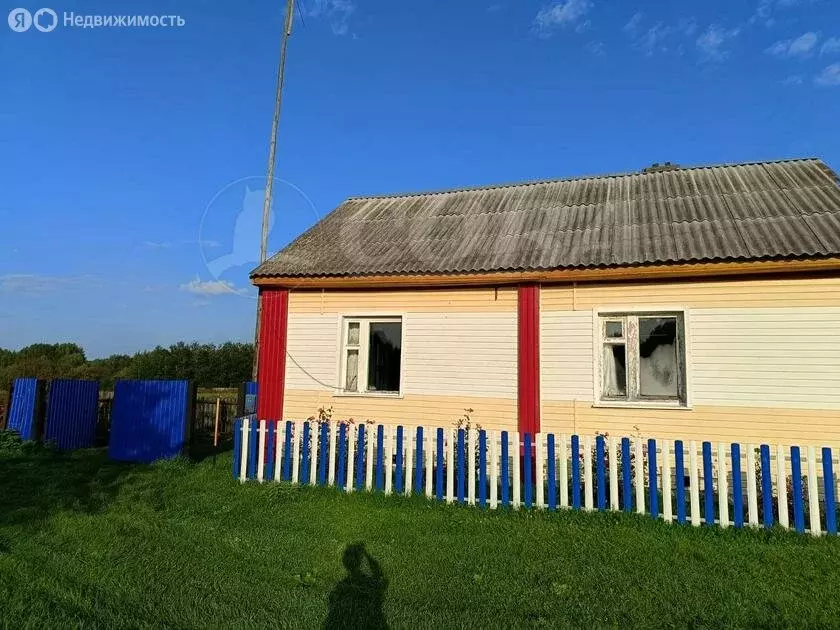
(71,413)
(22,408)
(150,420)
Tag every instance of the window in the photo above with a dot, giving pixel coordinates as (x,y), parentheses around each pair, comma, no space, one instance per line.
(642,358)
(371,355)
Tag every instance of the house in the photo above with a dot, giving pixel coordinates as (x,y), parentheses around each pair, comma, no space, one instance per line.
(694,303)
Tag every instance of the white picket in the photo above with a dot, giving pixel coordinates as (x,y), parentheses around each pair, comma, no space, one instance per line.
(243,462)
(429,451)
(261,434)
(587,472)
(694,482)
(517,484)
(640,475)
(371,440)
(409,440)
(280,440)
(813,493)
(333,429)
(494,469)
(539,482)
(313,452)
(472,436)
(449,446)
(613,451)
(351,457)
(296,438)
(752,492)
(563,470)
(389,458)
(781,486)
(723,489)
(665,458)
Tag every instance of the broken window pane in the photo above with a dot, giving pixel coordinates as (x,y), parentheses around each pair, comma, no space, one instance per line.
(658,361)
(384,350)
(614,330)
(615,371)
(353,334)
(351,373)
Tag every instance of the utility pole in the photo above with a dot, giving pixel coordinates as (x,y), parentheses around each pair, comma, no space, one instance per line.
(272,152)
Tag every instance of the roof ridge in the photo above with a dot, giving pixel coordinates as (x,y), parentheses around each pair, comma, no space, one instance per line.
(536,182)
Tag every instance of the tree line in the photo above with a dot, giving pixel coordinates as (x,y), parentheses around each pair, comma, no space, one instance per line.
(208,365)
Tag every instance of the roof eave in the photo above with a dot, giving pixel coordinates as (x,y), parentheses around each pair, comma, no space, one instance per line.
(595,274)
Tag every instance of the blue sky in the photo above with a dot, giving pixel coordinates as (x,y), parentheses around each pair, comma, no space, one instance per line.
(129,152)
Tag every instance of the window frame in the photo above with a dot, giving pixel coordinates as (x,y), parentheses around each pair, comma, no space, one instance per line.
(365,320)
(630,338)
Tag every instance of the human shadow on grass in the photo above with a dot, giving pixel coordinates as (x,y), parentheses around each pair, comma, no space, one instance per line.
(356,601)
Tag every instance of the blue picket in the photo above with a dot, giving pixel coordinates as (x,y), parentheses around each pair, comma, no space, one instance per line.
(341,477)
(766,485)
(324,456)
(380,458)
(737,487)
(828,481)
(679,479)
(708,485)
(398,473)
(253,443)
(418,462)
(287,452)
(461,465)
(305,461)
(796,473)
(552,473)
(625,475)
(360,458)
(529,485)
(600,474)
(270,439)
(576,472)
(482,468)
(439,475)
(653,487)
(237,447)
(505,471)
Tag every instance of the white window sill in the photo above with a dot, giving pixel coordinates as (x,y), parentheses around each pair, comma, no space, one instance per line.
(367,394)
(618,404)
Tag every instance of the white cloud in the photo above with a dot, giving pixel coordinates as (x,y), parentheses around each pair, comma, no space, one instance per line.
(794,79)
(633,24)
(596,48)
(830,46)
(712,43)
(157,244)
(211,287)
(209,244)
(660,37)
(829,77)
(560,14)
(801,46)
(32,283)
(336,12)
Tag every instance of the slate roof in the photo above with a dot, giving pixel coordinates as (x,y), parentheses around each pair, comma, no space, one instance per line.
(753,211)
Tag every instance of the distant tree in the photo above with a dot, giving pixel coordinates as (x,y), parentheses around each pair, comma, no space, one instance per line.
(209,365)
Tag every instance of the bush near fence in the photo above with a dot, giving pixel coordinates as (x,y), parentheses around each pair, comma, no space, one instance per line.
(686,482)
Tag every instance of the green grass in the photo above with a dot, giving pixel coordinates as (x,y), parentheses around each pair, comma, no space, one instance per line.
(86,542)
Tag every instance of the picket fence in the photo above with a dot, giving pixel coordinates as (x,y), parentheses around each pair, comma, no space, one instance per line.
(502,468)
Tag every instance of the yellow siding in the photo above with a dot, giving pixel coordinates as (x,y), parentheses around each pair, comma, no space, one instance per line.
(759,293)
(713,423)
(412,410)
(480,300)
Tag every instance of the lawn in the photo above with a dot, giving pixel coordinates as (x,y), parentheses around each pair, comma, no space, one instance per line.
(86,542)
